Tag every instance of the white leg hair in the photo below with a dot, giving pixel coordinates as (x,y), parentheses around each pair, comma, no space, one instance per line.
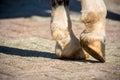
(92,39)
(67,45)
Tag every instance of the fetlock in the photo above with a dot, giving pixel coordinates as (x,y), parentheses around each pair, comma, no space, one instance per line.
(92,39)
(67,45)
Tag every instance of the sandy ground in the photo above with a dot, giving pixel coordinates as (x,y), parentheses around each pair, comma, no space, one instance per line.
(27,49)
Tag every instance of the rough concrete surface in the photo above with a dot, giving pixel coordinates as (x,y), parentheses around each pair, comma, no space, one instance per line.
(27,49)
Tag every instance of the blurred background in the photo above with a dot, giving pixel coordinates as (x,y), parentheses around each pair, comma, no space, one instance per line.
(27,8)
(17,15)
(27,50)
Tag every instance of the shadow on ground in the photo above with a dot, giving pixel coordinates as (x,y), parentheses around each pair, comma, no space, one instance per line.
(26,53)
(33,53)
(28,8)
(113,16)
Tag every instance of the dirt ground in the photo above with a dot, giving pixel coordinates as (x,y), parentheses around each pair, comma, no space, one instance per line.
(27,49)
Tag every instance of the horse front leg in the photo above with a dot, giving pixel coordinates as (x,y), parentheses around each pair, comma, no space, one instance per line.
(92,39)
(67,45)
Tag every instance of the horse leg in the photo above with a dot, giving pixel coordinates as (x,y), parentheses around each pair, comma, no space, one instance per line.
(67,45)
(92,39)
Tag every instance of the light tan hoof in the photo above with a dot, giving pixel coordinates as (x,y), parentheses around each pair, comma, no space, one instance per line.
(75,53)
(95,48)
